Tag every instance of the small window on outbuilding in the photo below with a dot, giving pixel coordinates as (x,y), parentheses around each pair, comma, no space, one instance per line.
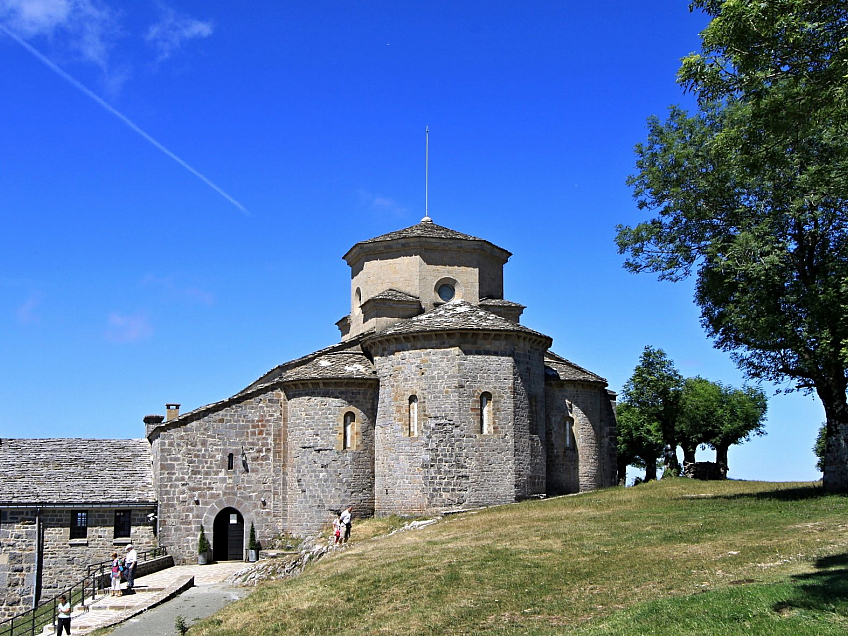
(412,422)
(79,524)
(230,461)
(486,419)
(123,527)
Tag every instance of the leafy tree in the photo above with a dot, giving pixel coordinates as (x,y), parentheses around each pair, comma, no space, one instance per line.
(819,447)
(654,392)
(751,194)
(700,409)
(719,415)
(639,442)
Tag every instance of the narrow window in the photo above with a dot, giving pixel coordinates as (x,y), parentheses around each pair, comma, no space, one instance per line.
(486,413)
(79,524)
(413,416)
(347,439)
(569,433)
(230,461)
(122,524)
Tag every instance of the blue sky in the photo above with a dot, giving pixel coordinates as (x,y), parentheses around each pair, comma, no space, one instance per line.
(179,181)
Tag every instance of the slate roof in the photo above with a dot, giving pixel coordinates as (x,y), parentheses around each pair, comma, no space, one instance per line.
(334,365)
(396,295)
(558,368)
(456,315)
(500,302)
(75,471)
(427,230)
(341,361)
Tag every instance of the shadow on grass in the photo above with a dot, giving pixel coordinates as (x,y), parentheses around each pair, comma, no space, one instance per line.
(825,590)
(799,493)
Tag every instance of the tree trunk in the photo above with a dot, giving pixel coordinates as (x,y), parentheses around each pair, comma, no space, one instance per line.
(650,469)
(721,458)
(671,467)
(621,469)
(835,478)
(688,455)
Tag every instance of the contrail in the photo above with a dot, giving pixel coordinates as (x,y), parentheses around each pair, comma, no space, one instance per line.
(53,67)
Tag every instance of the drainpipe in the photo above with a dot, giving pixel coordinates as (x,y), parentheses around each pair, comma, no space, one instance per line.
(39,547)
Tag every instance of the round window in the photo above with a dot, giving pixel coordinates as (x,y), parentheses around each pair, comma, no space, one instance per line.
(446,292)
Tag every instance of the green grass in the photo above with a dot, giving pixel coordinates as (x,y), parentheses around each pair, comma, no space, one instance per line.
(675,557)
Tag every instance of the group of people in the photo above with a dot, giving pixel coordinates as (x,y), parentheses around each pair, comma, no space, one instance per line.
(124,567)
(120,567)
(341,526)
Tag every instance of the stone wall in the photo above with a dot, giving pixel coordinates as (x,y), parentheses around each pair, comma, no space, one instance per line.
(65,559)
(590,463)
(323,477)
(62,561)
(18,541)
(450,463)
(193,480)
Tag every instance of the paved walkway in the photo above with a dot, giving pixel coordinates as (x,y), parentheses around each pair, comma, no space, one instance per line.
(156,588)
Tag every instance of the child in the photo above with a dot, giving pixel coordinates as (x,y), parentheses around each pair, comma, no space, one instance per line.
(116,574)
(337,530)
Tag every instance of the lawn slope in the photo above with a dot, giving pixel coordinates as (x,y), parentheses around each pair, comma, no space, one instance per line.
(671,557)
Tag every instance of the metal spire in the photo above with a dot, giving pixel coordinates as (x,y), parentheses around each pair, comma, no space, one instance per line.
(427,218)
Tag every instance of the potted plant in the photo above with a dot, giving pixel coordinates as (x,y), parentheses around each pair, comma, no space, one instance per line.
(252,545)
(202,548)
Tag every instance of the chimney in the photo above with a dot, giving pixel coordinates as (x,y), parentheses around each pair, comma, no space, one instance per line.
(151,422)
(172,411)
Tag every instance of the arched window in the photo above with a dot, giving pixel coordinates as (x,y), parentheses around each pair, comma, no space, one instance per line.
(412,428)
(230,461)
(486,420)
(569,433)
(347,435)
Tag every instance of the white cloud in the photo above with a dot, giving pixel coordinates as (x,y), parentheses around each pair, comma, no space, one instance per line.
(124,328)
(86,26)
(380,203)
(173,30)
(192,294)
(26,313)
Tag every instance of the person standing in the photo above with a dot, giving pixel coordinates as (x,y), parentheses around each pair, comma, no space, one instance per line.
(337,530)
(346,519)
(116,575)
(130,563)
(63,615)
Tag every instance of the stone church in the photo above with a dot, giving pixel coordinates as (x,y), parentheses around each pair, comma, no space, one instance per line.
(435,399)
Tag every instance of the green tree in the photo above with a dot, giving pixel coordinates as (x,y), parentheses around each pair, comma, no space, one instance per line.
(820,446)
(639,442)
(654,392)
(751,194)
(720,416)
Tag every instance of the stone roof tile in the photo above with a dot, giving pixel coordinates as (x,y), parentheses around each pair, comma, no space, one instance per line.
(76,471)
(394,294)
(424,229)
(452,316)
(558,368)
(338,365)
(500,302)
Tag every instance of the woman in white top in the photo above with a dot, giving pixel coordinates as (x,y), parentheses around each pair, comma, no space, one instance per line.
(63,615)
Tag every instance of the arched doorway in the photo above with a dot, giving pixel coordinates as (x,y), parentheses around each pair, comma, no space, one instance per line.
(228,536)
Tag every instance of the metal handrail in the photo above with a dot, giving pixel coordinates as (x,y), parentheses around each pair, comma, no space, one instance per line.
(32,621)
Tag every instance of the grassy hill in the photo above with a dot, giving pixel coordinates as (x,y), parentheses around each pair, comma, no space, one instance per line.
(670,557)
